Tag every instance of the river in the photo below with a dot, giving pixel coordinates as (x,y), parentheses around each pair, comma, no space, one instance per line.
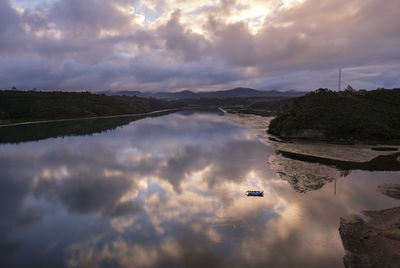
(169,191)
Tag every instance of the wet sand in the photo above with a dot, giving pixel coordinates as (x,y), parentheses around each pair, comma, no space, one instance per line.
(375,240)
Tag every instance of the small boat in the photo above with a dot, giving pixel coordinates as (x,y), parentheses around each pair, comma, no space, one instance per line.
(255,193)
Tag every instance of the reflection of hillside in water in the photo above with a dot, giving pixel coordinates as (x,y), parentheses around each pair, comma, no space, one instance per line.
(307,172)
(379,163)
(41,131)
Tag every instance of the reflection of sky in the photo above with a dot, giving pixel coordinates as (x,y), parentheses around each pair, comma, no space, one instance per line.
(166,191)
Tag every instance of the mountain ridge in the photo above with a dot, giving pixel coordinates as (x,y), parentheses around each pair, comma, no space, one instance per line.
(239,92)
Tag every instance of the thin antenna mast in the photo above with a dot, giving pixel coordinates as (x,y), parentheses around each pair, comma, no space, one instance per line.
(340,79)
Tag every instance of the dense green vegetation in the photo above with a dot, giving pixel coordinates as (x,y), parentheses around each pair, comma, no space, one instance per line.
(16,106)
(367,116)
(263,106)
(262,103)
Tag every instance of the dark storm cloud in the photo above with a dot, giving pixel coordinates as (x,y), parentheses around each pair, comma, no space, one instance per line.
(86,18)
(10,28)
(151,70)
(93,44)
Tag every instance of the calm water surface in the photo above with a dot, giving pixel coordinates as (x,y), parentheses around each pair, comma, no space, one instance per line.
(169,191)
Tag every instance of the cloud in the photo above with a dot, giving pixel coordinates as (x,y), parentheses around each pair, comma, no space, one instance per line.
(86,19)
(174,45)
(187,45)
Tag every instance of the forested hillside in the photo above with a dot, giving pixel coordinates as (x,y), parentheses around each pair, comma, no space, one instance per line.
(18,106)
(344,115)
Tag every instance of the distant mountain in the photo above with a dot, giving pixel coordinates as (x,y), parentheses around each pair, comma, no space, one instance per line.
(239,92)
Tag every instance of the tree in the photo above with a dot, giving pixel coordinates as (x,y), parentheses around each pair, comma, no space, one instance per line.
(349,89)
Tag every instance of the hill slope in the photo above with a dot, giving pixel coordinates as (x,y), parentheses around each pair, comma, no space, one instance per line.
(345,115)
(16,106)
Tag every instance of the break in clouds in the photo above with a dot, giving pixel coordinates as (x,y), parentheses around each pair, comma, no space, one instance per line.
(172,45)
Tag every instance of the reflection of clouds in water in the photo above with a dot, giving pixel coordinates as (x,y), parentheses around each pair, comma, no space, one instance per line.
(127,255)
(162,134)
(167,197)
(259,230)
(89,191)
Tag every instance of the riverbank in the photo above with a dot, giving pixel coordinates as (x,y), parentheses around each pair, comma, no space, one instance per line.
(323,149)
(267,107)
(308,166)
(374,241)
(89,118)
(44,106)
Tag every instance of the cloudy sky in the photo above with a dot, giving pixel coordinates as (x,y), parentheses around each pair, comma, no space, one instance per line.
(172,45)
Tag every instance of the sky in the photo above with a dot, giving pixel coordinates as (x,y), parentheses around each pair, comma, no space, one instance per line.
(198,45)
